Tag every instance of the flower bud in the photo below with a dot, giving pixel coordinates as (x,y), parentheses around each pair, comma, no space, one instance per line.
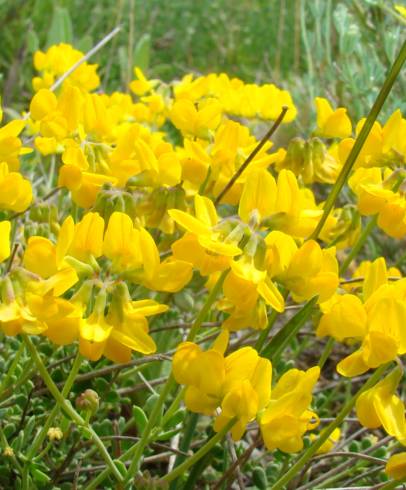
(294,157)
(88,400)
(8,452)
(82,269)
(54,434)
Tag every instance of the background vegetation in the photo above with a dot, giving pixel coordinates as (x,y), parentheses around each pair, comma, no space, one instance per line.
(339,49)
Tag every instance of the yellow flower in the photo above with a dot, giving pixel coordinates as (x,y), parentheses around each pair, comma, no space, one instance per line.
(239,383)
(203,226)
(332,123)
(54,434)
(312,271)
(396,466)
(344,317)
(385,337)
(245,281)
(401,10)
(10,144)
(15,191)
(56,61)
(282,204)
(140,86)
(130,329)
(287,417)
(135,256)
(60,317)
(86,237)
(196,119)
(189,249)
(379,406)
(383,146)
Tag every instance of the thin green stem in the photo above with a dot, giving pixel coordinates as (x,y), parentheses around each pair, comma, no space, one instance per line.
(185,442)
(207,306)
(359,244)
(279,342)
(5,445)
(326,352)
(361,138)
(200,453)
(68,409)
(173,407)
(325,434)
(306,44)
(39,439)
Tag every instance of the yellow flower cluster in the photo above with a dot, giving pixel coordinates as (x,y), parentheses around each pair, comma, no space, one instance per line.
(240,383)
(171,182)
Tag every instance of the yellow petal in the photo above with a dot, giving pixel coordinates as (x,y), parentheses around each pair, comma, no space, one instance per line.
(5,228)
(190,223)
(171,276)
(396,466)
(43,103)
(259,193)
(352,365)
(134,336)
(271,295)
(205,211)
(40,256)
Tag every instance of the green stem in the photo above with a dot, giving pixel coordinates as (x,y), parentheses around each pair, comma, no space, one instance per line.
(207,306)
(326,352)
(358,245)
(307,49)
(39,439)
(68,409)
(174,406)
(361,138)
(200,453)
(325,434)
(278,343)
(185,443)
(5,444)
(25,479)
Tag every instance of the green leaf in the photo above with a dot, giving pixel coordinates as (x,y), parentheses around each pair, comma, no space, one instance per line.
(60,30)
(142,52)
(121,467)
(32,41)
(85,44)
(140,419)
(259,478)
(150,402)
(278,343)
(39,475)
(164,436)
(176,418)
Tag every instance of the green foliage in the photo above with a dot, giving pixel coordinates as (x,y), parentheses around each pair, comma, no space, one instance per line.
(339,49)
